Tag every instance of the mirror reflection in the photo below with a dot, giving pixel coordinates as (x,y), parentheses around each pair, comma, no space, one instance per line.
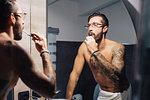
(90,47)
(76,77)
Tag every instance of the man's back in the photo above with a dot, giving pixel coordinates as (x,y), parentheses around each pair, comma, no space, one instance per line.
(8,72)
(15,62)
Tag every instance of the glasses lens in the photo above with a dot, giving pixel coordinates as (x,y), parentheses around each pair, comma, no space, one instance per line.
(21,15)
(86,26)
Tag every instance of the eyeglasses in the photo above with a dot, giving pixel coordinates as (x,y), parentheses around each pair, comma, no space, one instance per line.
(21,15)
(95,25)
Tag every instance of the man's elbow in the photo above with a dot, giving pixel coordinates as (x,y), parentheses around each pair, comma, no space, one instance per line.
(53,92)
(50,93)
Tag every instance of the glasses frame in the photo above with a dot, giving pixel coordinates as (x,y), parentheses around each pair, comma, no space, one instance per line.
(21,15)
(95,25)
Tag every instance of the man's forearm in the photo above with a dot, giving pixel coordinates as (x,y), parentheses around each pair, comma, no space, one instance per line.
(99,61)
(69,92)
(70,89)
(71,86)
(48,67)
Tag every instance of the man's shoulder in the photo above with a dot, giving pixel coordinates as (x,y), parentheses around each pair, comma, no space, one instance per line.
(9,44)
(117,47)
(83,46)
(82,49)
(13,46)
(114,44)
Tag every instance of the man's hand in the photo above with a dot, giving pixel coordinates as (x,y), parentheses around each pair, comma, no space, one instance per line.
(40,41)
(91,44)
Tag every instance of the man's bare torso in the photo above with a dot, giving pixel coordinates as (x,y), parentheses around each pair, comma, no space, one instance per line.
(104,82)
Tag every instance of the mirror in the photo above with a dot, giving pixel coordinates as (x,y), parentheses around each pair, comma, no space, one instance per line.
(66,20)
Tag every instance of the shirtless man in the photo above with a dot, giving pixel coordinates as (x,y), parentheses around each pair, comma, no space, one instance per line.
(15,62)
(105,59)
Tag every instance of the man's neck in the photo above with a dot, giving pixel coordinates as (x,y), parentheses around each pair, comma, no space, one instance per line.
(4,35)
(101,43)
(8,33)
(11,34)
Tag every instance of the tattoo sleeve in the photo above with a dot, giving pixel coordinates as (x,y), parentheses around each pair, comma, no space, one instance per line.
(111,70)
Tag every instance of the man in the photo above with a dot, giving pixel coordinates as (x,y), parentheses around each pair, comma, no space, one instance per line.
(105,59)
(15,62)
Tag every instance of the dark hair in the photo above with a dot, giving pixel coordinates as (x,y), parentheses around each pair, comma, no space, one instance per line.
(6,8)
(105,20)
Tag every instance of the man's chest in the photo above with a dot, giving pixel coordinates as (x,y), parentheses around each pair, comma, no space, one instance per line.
(105,54)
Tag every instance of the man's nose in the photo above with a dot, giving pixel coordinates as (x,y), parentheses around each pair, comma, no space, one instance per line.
(22,22)
(90,28)
(89,31)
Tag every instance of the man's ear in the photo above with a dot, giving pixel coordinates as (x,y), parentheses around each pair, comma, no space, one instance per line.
(105,28)
(12,19)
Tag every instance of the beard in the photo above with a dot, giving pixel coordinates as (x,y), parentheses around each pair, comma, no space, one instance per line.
(17,31)
(99,37)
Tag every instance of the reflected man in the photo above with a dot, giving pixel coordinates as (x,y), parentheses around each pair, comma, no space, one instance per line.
(105,59)
(15,62)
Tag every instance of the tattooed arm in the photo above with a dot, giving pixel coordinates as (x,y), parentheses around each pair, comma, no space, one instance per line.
(41,45)
(32,76)
(111,70)
(42,82)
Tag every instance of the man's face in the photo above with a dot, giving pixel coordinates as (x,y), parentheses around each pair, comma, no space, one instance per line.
(19,25)
(95,28)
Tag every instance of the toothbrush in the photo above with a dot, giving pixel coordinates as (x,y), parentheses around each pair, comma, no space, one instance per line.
(28,34)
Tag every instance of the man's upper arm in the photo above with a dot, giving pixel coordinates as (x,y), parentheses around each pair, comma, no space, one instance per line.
(118,56)
(79,61)
(22,61)
(30,75)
